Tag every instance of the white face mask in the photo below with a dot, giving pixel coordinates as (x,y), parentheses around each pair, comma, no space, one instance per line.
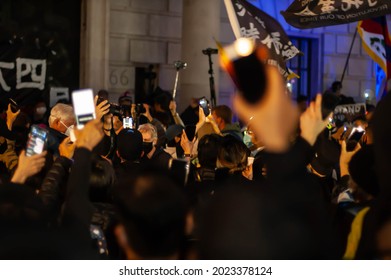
(41,110)
(69,129)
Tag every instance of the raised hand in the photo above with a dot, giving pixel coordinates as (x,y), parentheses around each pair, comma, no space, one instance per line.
(274,118)
(311,121)
(90,135)
(11,117)
(345,157)
(28,166)
(186,144)
(102,108)
(67,148)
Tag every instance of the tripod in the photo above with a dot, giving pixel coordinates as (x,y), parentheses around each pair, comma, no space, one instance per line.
(209,53)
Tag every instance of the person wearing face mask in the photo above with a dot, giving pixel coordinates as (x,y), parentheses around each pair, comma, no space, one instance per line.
(61,123)
(152,154)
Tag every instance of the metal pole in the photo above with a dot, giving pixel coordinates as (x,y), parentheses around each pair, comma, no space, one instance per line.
(176,84)
(348,58)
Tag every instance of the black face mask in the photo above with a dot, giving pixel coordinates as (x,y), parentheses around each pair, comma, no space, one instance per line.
(147,147)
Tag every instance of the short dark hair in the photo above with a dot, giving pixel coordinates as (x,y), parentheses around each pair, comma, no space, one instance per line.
(153,211)
(130,144)
(102,179)
(336,86)
(207,150)
(223,112)
(233,154)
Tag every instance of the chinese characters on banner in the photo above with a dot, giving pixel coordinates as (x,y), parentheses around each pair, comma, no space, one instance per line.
(317,13)
(30,73)
(250,22)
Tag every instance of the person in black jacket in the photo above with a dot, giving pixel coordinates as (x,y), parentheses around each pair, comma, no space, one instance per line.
(153,154)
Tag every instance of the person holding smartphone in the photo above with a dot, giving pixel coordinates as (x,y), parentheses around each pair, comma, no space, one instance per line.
(61,122)
(153,154)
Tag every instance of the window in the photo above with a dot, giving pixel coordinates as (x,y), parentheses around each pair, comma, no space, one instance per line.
(306,67)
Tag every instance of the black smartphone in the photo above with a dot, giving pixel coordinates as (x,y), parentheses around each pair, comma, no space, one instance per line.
(36,141)
(83,106)
(180,169)
(354,138)
(190,132)
(246,64)
(100,100)
(204,104)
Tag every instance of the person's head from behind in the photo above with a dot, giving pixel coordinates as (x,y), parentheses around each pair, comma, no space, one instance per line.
(125,99)
(362,170)
(129,145)
(248,223)
(102,179)
(174,134)
(336,87)
(222,115)
(207,150)
(150,138)
(153,213)
(162,101)
(20,207)
(232,154)
(62,118)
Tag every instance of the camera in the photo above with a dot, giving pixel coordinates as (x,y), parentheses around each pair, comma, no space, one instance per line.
(116,110)
(210,51)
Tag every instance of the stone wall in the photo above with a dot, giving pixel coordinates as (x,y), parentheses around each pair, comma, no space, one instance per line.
(149,32)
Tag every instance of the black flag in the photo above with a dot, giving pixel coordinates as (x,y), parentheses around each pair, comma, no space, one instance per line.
(317,13)
(250,22)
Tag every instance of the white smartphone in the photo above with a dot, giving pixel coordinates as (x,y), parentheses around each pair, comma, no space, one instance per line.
(83,106)
(128,123)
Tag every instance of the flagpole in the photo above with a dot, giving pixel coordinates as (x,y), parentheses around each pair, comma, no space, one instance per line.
(350,52)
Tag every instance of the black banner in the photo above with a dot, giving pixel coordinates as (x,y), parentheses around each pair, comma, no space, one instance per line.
(318,13)
(249,22)
(39,48)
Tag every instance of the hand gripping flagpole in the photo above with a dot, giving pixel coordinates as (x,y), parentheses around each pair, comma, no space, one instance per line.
(178,66)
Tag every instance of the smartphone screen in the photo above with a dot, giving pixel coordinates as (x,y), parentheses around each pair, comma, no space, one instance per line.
(356,136)
(84,107)
(127,123)
(204,104)
(36,141)
(180,170)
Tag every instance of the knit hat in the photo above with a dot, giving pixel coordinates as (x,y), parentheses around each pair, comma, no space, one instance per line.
(173,130)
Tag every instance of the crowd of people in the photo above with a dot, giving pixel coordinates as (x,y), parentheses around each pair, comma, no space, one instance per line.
(284,184)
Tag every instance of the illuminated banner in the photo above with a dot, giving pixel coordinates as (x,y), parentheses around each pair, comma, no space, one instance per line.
(348,113)
(249,22)
(317,13)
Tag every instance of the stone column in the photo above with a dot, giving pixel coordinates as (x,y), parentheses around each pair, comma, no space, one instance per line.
(200,24)
(94,44)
